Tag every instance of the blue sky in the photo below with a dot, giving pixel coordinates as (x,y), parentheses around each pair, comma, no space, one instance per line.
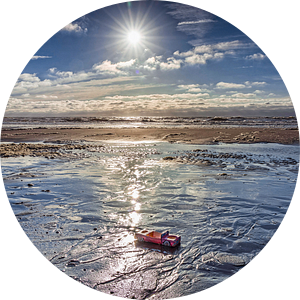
(179,61)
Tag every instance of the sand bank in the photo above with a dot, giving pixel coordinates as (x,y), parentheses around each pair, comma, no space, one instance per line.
(173,135)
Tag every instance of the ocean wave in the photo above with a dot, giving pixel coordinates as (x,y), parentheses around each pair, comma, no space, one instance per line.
(96,122)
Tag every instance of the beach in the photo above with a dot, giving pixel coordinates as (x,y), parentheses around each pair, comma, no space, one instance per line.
(187,135)
(228,202)
(80,191)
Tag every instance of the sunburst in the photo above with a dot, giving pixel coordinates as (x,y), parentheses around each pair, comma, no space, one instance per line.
(134,32)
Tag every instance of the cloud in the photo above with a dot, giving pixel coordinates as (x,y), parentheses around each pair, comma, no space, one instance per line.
(158,63)
(186,104)
(250,84)
(197,59)
(246,84)
(226,47)
(29,77)
(236,44)
(227,85)
(258,92)
(28,82)
(257,83)
(77,86)
(65,77)
(91,93)
(120,68)
(158,98)
(201,54)
(257,56)
(46,96)
(130,67)
(192,20)
(188,86)
(152,63)
(171,64)
(196,22)
(75,27)
(35,57)
(67,74)
(242,95)
(191,88)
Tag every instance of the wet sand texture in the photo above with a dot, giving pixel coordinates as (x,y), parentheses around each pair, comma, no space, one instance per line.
(81,210)
(172,135)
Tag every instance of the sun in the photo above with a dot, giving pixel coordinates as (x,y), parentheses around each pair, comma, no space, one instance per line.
(134,37)
(134,33)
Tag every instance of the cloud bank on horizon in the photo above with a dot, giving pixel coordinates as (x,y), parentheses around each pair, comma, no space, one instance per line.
(183,61)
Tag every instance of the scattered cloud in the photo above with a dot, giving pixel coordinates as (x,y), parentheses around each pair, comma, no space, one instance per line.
(258,92)
(158,79)
(152,63)
(197,59)
(171,64)
(35,57)
(250,84)
(256,56)
(186,104)
(192,88)
(101,89)
(120,68)
(196,22)
(246,84)
(228,85)
(46,96)
(242,95)
(131,67)
(192,21)
(52,70)
(224,46)
(201,54)
(67,74)
(75,27)
(28,82)
(103,86)
(28,77)
(25,95)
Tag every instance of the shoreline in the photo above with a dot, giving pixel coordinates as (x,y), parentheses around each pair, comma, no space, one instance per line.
(187,135)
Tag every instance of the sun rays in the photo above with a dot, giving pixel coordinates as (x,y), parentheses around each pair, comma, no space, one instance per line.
(133,32)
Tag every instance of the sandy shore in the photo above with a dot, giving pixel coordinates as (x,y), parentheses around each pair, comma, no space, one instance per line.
(173,135)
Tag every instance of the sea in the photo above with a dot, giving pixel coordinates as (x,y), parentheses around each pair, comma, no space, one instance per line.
(81,211)
(148,122)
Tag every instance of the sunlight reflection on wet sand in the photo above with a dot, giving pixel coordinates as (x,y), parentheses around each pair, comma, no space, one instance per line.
(223,212)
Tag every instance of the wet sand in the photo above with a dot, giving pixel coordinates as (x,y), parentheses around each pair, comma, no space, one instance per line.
(81,212)
(174,135)
(80,199)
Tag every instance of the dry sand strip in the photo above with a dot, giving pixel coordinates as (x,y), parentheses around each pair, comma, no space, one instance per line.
(172,135)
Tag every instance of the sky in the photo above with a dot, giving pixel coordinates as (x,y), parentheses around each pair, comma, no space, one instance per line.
(149,58)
